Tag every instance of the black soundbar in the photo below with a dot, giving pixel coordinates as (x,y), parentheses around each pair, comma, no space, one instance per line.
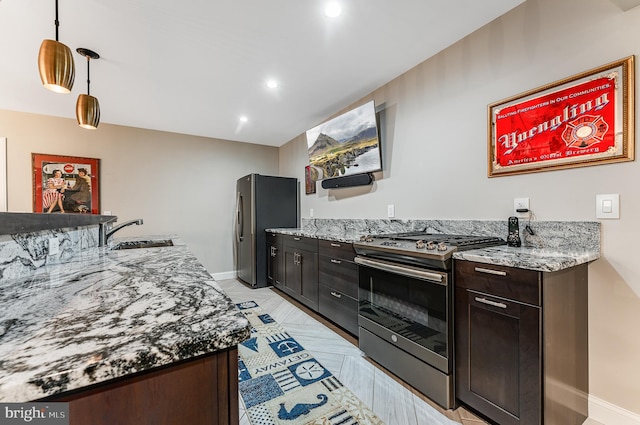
(348,181)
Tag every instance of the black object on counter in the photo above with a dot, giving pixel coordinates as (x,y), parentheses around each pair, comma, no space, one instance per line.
(513,238)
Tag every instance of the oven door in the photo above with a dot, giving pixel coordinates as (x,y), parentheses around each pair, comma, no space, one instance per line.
(409,307)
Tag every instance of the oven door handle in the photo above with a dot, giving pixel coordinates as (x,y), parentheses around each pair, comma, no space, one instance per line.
(401,269)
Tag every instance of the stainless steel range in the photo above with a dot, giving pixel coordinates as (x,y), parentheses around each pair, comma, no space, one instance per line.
(405,312)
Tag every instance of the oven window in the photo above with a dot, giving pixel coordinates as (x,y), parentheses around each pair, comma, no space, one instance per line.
(409,307)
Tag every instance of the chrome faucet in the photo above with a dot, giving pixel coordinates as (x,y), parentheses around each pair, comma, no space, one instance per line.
(107,232)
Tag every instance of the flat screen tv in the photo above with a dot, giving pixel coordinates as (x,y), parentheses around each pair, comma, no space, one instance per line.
(345,145)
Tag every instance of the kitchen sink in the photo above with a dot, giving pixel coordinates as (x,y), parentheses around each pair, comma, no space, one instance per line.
(142,244)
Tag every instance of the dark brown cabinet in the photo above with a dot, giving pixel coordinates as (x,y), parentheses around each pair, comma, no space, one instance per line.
(338,284)
(275,260)
(199,391)
(300,269)
(522,343)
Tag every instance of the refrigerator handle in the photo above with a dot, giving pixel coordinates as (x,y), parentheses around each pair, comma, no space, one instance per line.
(239,220)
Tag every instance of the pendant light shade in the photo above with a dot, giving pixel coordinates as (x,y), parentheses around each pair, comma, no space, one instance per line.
(88,112)
(87,106)
(55,63)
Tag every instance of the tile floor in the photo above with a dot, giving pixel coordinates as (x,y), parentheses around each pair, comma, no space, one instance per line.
(394,401)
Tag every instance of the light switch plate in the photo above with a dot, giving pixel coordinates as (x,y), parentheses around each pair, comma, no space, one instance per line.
(608,206)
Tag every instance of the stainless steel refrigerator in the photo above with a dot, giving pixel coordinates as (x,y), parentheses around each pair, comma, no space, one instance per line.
(262,202)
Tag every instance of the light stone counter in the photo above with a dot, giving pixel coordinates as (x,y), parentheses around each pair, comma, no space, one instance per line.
(554,246)
(107,314)
(543,260)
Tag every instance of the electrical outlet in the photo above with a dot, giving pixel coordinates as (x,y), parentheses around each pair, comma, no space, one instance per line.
(391,211)
(521,204)
(310,212)
(54,246)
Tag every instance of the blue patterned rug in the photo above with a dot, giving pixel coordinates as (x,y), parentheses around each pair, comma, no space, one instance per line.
(282,383)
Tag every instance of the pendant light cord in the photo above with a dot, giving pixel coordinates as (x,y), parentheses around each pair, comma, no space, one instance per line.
(88,80)
(56,21)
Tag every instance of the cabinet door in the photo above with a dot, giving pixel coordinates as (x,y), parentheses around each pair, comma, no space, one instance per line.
(338,274)
(274,265)
(292,272)
(338,307)
(308,263)
(498,368)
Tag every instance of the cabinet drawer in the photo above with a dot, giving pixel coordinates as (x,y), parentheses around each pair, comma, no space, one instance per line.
(341,275)
(501,281)
(335,249)
(274,238)
(339,308)
(300,242)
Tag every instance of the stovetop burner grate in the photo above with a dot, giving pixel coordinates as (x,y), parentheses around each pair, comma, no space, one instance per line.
(452,240)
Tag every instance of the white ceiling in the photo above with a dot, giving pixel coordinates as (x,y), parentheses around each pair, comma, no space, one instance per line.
(196,66)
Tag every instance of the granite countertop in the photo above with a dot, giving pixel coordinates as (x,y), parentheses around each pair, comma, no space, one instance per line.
(108,314)
(544,260)
(337,235)
(569,253)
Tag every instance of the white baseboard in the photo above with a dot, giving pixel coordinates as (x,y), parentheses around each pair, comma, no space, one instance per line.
(225,275)
(610,414)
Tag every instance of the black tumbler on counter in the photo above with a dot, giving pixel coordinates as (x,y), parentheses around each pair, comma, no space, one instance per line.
(513,238)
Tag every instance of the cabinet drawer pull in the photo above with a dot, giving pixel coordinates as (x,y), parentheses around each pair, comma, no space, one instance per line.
(496,272)
(335,245)
(489,302)
(295,238)
(336,294)
(336,261)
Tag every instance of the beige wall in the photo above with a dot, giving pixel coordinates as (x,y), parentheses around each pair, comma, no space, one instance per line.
(435,152)
(178,184)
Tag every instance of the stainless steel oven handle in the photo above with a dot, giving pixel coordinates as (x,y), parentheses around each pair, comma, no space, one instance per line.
(400,269)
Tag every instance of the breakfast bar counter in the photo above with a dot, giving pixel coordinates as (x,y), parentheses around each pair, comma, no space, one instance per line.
(106,316)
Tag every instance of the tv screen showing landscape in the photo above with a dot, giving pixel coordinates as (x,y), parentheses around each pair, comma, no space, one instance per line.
(345,145)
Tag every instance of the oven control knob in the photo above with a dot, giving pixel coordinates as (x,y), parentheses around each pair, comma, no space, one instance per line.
(394,338)
(420,244)
(442,246)
(431,245)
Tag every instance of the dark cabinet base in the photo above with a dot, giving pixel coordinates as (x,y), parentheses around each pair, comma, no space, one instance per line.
(203,391)
(339,308)
(522,343)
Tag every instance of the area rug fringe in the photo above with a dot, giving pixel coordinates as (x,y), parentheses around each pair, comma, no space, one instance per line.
(282,383)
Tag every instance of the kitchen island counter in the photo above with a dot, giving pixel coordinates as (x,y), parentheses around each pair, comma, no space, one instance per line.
(109,314)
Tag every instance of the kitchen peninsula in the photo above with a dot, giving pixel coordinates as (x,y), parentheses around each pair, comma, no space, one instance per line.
(125,336)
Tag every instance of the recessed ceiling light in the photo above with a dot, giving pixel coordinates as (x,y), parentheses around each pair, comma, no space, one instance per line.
(272,84)
(244,118)
(332,9)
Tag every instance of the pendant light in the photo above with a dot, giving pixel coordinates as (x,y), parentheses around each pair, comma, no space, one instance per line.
(55,63)
(87,106)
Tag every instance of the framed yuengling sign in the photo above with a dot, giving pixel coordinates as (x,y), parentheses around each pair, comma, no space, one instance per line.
(586,119)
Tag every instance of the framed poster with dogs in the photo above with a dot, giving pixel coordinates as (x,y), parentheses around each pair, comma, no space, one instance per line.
(586,119)
(65,184)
